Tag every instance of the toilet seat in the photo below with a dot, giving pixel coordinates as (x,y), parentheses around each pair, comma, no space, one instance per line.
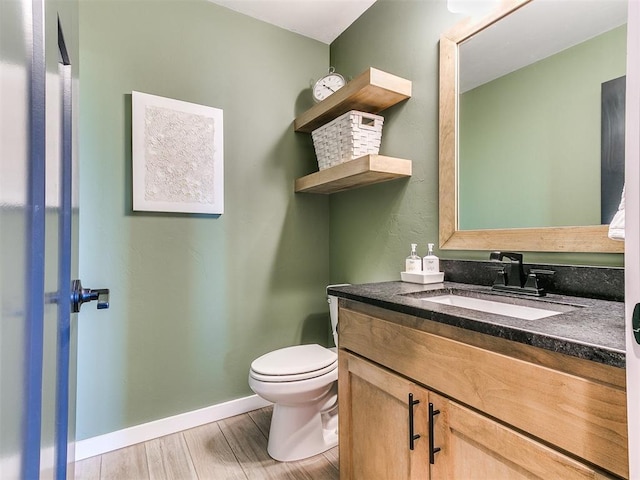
(294,377)
(300,362)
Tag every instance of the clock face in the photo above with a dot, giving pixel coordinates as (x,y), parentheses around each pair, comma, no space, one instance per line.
(327,85)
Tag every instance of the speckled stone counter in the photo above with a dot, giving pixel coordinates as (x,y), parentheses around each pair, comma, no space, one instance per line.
(592,329)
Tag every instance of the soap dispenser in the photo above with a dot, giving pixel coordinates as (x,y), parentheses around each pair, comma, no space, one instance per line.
(413,262)
(430,263)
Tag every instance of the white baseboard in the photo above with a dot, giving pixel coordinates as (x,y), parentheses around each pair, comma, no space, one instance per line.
(166,426)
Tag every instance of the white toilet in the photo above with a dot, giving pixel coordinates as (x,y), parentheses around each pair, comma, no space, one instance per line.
(302,383)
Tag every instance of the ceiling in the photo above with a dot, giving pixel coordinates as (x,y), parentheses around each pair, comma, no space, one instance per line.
(322,20)
(541,28)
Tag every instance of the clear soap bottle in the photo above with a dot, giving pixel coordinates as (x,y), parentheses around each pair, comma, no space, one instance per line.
(413,262)
(430,263)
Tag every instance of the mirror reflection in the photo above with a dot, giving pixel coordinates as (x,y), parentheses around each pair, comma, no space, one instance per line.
(541,117)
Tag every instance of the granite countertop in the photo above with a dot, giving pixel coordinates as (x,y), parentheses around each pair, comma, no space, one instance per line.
(591,329)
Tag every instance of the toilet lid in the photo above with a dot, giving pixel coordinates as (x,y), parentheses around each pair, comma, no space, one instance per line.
(330,371)
(294,360)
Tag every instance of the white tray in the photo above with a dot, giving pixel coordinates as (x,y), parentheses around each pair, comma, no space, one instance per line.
(419,277)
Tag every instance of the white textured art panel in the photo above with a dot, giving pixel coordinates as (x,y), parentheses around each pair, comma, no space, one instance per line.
(177,156)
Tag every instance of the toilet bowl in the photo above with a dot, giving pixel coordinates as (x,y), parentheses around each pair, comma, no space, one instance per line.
(302,383)
(305,411)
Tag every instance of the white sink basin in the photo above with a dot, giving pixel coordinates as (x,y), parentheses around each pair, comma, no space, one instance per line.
(489,306)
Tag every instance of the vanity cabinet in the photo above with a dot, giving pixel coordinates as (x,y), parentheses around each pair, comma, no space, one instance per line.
(375,425)
(501,409)
(473,445)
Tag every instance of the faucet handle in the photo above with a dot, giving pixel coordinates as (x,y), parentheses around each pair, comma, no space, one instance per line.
(532,280)
(541,271)
(500,278)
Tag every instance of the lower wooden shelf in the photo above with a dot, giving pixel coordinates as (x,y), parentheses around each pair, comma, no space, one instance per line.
(355,173)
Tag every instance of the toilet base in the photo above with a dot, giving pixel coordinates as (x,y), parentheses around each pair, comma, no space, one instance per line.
(299,432)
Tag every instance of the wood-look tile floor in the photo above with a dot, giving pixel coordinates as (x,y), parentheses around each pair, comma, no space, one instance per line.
(234,448)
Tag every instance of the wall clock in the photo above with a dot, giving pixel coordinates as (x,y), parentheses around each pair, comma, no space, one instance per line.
(327,85)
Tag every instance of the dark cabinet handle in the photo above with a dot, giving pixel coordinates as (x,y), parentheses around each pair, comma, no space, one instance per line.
(412,437)
(432,450)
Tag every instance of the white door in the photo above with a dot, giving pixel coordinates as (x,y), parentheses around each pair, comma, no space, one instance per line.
(16,426)
(38,238)
(632,233)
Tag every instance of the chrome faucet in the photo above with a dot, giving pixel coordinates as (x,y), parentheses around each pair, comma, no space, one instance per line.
(514,279)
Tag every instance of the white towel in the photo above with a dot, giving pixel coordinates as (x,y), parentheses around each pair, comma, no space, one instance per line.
(616,227)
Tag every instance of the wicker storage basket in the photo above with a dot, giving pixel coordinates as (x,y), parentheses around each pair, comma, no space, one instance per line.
(349,136)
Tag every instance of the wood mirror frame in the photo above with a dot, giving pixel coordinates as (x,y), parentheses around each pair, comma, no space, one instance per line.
(545,239)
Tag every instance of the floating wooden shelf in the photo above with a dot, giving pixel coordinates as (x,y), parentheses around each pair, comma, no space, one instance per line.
(356,173)
(372,91)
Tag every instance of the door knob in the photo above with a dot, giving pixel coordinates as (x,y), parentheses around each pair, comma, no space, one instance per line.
(635,322)
(80,295)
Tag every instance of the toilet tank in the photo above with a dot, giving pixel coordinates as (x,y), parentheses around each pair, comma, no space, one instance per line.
(333,311)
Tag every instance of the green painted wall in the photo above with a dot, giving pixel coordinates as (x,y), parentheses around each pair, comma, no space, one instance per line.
(194,298)
(530,140)
(371,228)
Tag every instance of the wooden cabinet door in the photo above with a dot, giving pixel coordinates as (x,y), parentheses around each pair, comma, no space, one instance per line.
(374,423)
(474,446)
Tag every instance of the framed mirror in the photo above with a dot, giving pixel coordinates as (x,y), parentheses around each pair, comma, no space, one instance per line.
(498,143)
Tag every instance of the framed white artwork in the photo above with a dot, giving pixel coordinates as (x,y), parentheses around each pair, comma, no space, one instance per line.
(178,156)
